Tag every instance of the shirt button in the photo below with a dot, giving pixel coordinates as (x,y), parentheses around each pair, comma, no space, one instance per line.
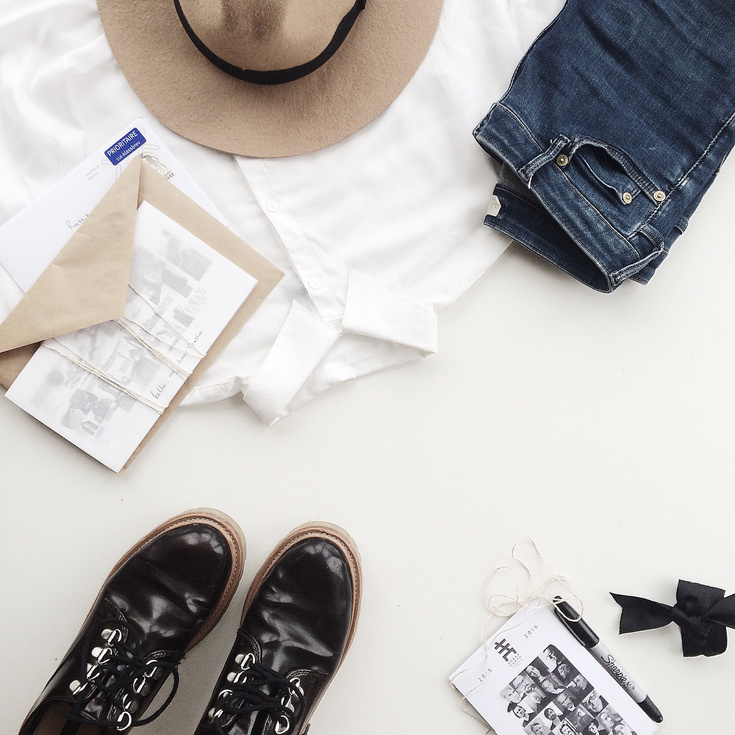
(659,196)
(627,197)
(315,283)
(272,205)
(562,160)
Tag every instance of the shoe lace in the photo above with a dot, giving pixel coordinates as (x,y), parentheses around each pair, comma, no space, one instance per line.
(256,688)
(116,673)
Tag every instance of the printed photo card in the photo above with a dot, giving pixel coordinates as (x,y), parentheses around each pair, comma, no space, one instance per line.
(534,678)
(104,387)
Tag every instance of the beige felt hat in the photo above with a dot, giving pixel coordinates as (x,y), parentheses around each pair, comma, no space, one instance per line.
(268,77)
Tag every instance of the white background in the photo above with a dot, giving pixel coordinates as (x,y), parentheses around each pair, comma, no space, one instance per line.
(600,425)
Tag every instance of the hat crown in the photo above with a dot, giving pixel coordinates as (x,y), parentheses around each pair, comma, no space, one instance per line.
(265,35)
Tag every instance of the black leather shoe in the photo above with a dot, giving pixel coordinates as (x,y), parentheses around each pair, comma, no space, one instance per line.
(161,599)
(297,624)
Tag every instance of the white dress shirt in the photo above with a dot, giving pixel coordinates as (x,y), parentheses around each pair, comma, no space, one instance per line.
(374,234)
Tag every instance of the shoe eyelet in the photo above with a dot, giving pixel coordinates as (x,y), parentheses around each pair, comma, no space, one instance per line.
(102,655)
(245,661)
(282,729)
(112,635)
(77,687)
(124,721)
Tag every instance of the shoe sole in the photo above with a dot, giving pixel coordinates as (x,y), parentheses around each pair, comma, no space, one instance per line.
(340,538)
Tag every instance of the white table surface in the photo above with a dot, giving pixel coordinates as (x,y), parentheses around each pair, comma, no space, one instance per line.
(600,425)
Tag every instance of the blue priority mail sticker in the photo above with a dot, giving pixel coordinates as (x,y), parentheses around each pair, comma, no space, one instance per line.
(119,151)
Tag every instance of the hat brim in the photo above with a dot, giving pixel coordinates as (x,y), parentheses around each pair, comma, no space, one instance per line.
(197,100)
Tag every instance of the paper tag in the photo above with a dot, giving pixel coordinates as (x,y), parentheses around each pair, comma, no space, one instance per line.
(493,209)
(34,237)
(121,149)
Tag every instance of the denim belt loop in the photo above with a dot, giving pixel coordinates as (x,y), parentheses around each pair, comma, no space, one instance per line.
(557,145)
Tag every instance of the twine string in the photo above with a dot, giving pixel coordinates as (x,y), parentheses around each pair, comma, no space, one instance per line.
(127,324)
(526,596)
(194,350)
(73,357)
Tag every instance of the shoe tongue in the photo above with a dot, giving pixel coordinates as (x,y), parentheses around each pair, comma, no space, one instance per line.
(98,709)
(249,723)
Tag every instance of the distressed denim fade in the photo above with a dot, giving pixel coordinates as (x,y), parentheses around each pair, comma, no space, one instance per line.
(614,126)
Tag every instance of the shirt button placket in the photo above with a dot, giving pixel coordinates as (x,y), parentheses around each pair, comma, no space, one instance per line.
(298,248)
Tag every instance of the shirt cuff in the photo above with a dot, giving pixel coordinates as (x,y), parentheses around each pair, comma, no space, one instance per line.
(302,342)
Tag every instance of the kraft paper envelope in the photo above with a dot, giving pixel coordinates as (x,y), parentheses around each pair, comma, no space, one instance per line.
(87,282)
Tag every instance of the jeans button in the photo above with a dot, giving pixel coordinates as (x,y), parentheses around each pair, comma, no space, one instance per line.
(562,160)
(659,196)
(627,197)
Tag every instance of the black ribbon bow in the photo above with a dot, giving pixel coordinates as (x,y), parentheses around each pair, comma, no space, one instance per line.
(703,613)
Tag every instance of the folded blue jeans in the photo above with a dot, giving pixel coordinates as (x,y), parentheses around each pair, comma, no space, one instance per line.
(614,126)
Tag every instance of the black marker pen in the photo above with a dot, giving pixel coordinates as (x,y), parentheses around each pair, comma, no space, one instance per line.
(591,641)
